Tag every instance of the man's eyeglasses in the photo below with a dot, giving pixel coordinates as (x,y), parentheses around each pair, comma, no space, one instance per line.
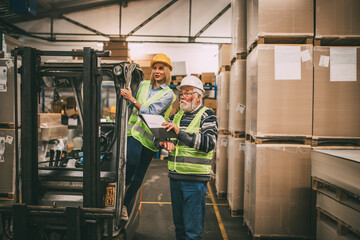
(186,94)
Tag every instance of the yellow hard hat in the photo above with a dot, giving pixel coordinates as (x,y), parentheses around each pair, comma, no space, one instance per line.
(113,109)
(161,58)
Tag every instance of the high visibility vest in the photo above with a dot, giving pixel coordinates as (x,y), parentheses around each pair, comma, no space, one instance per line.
(187,160)
(138,128)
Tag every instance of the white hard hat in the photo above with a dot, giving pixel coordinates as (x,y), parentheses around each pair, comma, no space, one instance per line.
(191,81)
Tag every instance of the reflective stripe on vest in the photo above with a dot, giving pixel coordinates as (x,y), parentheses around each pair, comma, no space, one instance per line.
(138,129)
(187,160)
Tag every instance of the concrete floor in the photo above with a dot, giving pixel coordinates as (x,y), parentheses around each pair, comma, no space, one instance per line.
(156,215)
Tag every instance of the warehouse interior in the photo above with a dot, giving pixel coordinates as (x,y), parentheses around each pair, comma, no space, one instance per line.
(282,78)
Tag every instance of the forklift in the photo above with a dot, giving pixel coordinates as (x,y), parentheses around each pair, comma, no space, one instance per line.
(63,193)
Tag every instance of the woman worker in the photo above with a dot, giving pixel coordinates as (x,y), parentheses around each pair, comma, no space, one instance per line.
(152,97)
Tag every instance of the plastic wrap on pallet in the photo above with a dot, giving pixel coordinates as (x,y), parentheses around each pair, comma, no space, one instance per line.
(237,99)
(238,29)
(277,196)
(337,18)
(225,55)
(236,159)
(279,18)
(223,84)
(338,167)
(280,90)
(336,91)
(221,164)
(347,211)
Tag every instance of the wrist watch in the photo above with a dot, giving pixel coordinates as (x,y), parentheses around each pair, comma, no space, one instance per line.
(134,102)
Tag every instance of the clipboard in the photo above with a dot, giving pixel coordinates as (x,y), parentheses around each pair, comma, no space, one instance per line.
(154,124)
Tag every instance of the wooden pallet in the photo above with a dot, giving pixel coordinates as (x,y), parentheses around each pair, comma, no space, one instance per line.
(221,195)
(335,141)
(235,212)
(225,68)
(341,194)
(342,227)
(238,134)
(271,236)
(304,140)
(238,56)
(8,125)
(337,41)
(281,40)
(224,132)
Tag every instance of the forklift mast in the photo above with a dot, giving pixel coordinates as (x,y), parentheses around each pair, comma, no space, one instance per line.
(81,222)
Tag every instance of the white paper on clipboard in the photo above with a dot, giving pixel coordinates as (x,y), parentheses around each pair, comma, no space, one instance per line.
(287,63)
(343,64)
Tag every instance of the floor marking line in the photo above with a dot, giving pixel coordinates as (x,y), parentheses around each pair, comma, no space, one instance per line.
(169,203)
(221,225)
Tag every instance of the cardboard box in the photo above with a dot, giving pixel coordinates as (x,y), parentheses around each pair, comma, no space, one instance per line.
(221,165)
(225,55)
(279,18)
(223,88)
(238,27)
(237,97)
(208,78)
(338,167)
(210,103)
(120,53)
(112,45)
(147,72)
(123,58)
(236,163)
(337,18)
(336,96)
(50,127)
(49,119)
(143,57)
(280,93)
(143,63)
(7,163)
(277,196)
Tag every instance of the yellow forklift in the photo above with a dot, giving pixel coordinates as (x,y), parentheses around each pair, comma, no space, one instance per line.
(63,192)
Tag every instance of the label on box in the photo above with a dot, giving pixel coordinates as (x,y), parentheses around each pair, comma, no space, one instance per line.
(305,55)
(241,147)
(224,142)
(9,64)
(3,79)
(287,63)
(9,139)
(324,61)
(240,108)
(72,121)
(343,64)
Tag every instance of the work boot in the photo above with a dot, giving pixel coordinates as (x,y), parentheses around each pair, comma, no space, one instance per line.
(124,214)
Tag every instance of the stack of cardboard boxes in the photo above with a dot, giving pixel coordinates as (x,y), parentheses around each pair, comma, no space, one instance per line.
(336,119)
(144,61)
(222,98)
(277,194)
(119,49)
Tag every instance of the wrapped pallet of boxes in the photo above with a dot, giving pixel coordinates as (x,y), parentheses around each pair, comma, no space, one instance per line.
(278,18)
(223,85)
(337,18)
(277,196)
(51,127)
(236,159)
(7,164)
(238,27)
(336,92)
(237,98)
(336,177)
(221,165)
(280,85)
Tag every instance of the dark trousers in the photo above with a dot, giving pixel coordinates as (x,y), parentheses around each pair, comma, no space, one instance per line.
(188,206)
(138,160)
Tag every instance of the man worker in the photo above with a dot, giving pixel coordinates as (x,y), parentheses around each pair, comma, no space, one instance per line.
(189,160)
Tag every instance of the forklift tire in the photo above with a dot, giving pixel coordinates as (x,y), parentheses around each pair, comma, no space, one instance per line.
(121,236)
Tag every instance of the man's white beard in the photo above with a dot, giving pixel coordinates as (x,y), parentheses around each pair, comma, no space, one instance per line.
(188,106)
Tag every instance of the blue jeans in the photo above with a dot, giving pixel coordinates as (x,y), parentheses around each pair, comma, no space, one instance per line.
(188,206)
(138,160)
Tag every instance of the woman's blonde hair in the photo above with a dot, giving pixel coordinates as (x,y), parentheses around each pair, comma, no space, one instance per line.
(167,76)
